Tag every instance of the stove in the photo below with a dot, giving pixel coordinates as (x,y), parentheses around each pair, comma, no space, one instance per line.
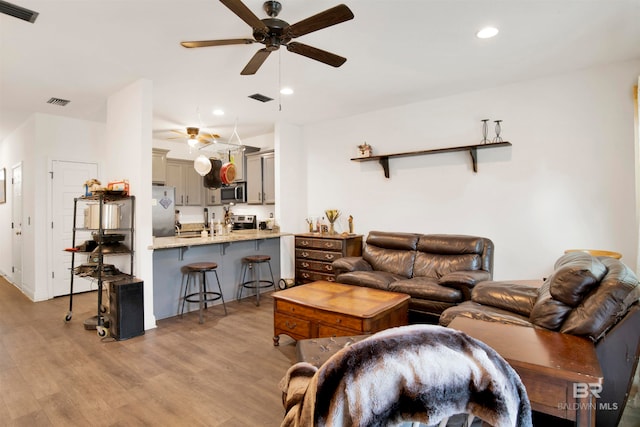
(244,222)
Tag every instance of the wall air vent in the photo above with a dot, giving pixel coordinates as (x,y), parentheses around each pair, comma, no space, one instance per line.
(18,12)
(58,101)
(260,97)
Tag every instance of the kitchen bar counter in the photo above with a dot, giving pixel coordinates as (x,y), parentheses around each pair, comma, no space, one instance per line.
(170,254)
(234,236)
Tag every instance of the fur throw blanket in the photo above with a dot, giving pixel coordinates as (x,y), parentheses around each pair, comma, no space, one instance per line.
(421,373)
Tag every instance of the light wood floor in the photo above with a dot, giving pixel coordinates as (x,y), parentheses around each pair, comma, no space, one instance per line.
(222,373)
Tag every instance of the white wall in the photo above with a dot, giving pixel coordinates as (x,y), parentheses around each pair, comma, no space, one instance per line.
(128,156)
(40,140)
(291,185)
(567,181)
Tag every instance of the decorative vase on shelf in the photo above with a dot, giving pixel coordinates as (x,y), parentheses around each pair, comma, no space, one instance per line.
(332,216)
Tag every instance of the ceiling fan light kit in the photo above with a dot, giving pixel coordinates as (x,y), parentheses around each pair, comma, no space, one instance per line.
(273,32)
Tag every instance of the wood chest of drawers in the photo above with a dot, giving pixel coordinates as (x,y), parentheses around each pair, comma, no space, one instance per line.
(315,252)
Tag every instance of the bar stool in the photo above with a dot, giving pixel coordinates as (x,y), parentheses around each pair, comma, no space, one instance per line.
(253,262)
(203,296)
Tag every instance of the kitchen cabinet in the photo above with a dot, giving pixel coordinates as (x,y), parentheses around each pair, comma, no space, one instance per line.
(261,178)
(188,183)
(315,253)
(212,197)
(159,166)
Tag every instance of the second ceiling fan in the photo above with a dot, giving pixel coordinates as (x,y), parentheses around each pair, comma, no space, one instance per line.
(273,33)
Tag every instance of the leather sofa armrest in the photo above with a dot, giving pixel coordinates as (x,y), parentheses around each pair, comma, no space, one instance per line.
(515,296)
(348,264)
(464,280)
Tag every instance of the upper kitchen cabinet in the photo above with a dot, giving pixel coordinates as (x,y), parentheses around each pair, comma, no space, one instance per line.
(261,178)
(159,166)
(188,183)
(212,197)
(238,157)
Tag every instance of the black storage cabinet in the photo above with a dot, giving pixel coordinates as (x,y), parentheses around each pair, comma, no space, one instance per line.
(126,307)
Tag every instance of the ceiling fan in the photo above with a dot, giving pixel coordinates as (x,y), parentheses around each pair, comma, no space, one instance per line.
(273,33)
(195,138)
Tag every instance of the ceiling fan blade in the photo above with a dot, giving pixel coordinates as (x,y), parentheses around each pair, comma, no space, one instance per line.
(317,54)
(209,137)
(205,43)
(244,13)
(256,61)
(325,19)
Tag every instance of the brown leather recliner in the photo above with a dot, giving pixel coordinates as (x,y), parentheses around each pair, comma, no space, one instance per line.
(594,297)
(438,271)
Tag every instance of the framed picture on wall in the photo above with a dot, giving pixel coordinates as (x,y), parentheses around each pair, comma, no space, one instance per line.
(3,185)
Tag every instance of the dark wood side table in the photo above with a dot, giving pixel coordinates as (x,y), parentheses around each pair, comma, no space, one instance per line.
(549,364)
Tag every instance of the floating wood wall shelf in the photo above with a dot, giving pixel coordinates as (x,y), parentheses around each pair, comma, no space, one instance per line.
(383,159)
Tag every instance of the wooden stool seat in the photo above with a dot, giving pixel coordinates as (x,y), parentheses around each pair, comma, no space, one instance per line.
(201,266)
(256,258)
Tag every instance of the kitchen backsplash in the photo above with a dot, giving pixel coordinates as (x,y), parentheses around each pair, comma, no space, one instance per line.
(194,214)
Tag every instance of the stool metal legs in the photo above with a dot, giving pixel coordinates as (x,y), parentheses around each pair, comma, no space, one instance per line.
(203,296)
(256,282)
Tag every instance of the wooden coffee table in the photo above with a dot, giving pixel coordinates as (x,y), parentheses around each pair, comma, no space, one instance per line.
(549,364)
(325,309)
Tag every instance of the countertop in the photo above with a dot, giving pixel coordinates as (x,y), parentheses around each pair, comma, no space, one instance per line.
(234,236)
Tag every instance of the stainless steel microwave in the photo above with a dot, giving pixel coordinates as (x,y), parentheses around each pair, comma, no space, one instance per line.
(234,193)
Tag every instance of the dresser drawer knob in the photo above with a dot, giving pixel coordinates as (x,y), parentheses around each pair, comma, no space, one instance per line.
(306,275)
(304,243)
(331,279)
(328,267)
(328,245)
(305,264)
(329,256)
(305,254)
(290,325)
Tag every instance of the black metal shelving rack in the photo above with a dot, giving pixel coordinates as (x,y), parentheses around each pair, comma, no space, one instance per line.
(102,199)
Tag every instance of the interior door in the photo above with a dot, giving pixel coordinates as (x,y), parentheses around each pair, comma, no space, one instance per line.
(68,179)
(16,225)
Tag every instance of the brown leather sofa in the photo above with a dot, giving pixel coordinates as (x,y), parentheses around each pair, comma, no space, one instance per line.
(438,271)
(594,297)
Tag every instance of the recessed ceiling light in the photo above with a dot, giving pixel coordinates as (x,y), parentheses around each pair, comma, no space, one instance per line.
(218,112)
(286,91)
(487,33)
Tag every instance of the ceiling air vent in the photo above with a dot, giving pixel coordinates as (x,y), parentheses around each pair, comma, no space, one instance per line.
(18,12)
(58,101)
(260,97)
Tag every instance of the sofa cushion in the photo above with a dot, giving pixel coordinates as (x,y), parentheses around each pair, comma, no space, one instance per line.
(547,312)
(438,265)
(391,240)
(426,288)
(395,261)
(607,304)
(370,279)
(507,295)
(575,275)
(450,244)
(473,310)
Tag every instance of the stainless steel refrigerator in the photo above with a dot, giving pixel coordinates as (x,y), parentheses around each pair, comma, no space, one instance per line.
(163,211)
